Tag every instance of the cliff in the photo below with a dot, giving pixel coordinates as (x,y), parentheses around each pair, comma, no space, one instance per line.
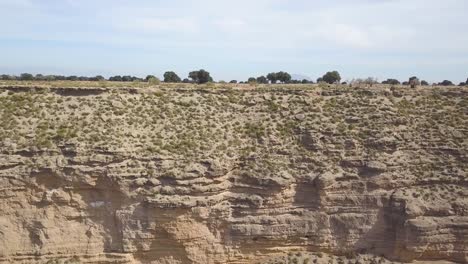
(232,175)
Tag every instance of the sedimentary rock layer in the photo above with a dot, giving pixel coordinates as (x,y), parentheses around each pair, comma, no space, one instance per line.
(201,175)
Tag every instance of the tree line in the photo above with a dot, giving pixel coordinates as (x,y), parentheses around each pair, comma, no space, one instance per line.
(199,76)
(202,76)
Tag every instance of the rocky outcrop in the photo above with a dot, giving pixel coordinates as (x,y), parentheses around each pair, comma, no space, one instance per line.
(233,175)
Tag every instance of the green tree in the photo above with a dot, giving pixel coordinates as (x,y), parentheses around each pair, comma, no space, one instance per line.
(262,79)
(272,77)
(116,78)
(233,81)
(7,77)
(171,77)
(446,83)
(200,76)
(331,77)
(391,81)
(127,78)
(149,77)
(424,83)
(252,80)
(39,77)
(26,77)
(283,77)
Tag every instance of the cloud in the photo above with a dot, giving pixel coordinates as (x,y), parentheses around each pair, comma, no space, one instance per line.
(266,34)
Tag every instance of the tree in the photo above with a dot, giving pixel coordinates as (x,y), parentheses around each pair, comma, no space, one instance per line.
(319,80)
(116,78)
(391,81)
(186,80)
(466,83)
(331,77)
(26,77)
(7,77)
(446,83)
(126,78)
(233,81)
(414,81)
(149,77)
(262,79)
(171,77)
(39,77)
(200,76)
(50,78)
(424,83)
(252,80)
(272,77)
(283,77)
(305,81)
(462,84)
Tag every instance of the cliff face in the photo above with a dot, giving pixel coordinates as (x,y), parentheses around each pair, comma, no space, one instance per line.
(231,175)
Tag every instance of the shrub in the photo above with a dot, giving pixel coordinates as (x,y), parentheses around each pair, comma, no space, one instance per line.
(154,80)
(371,81)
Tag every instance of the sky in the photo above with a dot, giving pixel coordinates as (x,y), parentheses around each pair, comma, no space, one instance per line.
(236,39)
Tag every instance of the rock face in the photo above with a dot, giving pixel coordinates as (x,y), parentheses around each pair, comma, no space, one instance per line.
(232,176)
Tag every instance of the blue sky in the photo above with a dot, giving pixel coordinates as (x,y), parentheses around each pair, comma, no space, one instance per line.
(235,39)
